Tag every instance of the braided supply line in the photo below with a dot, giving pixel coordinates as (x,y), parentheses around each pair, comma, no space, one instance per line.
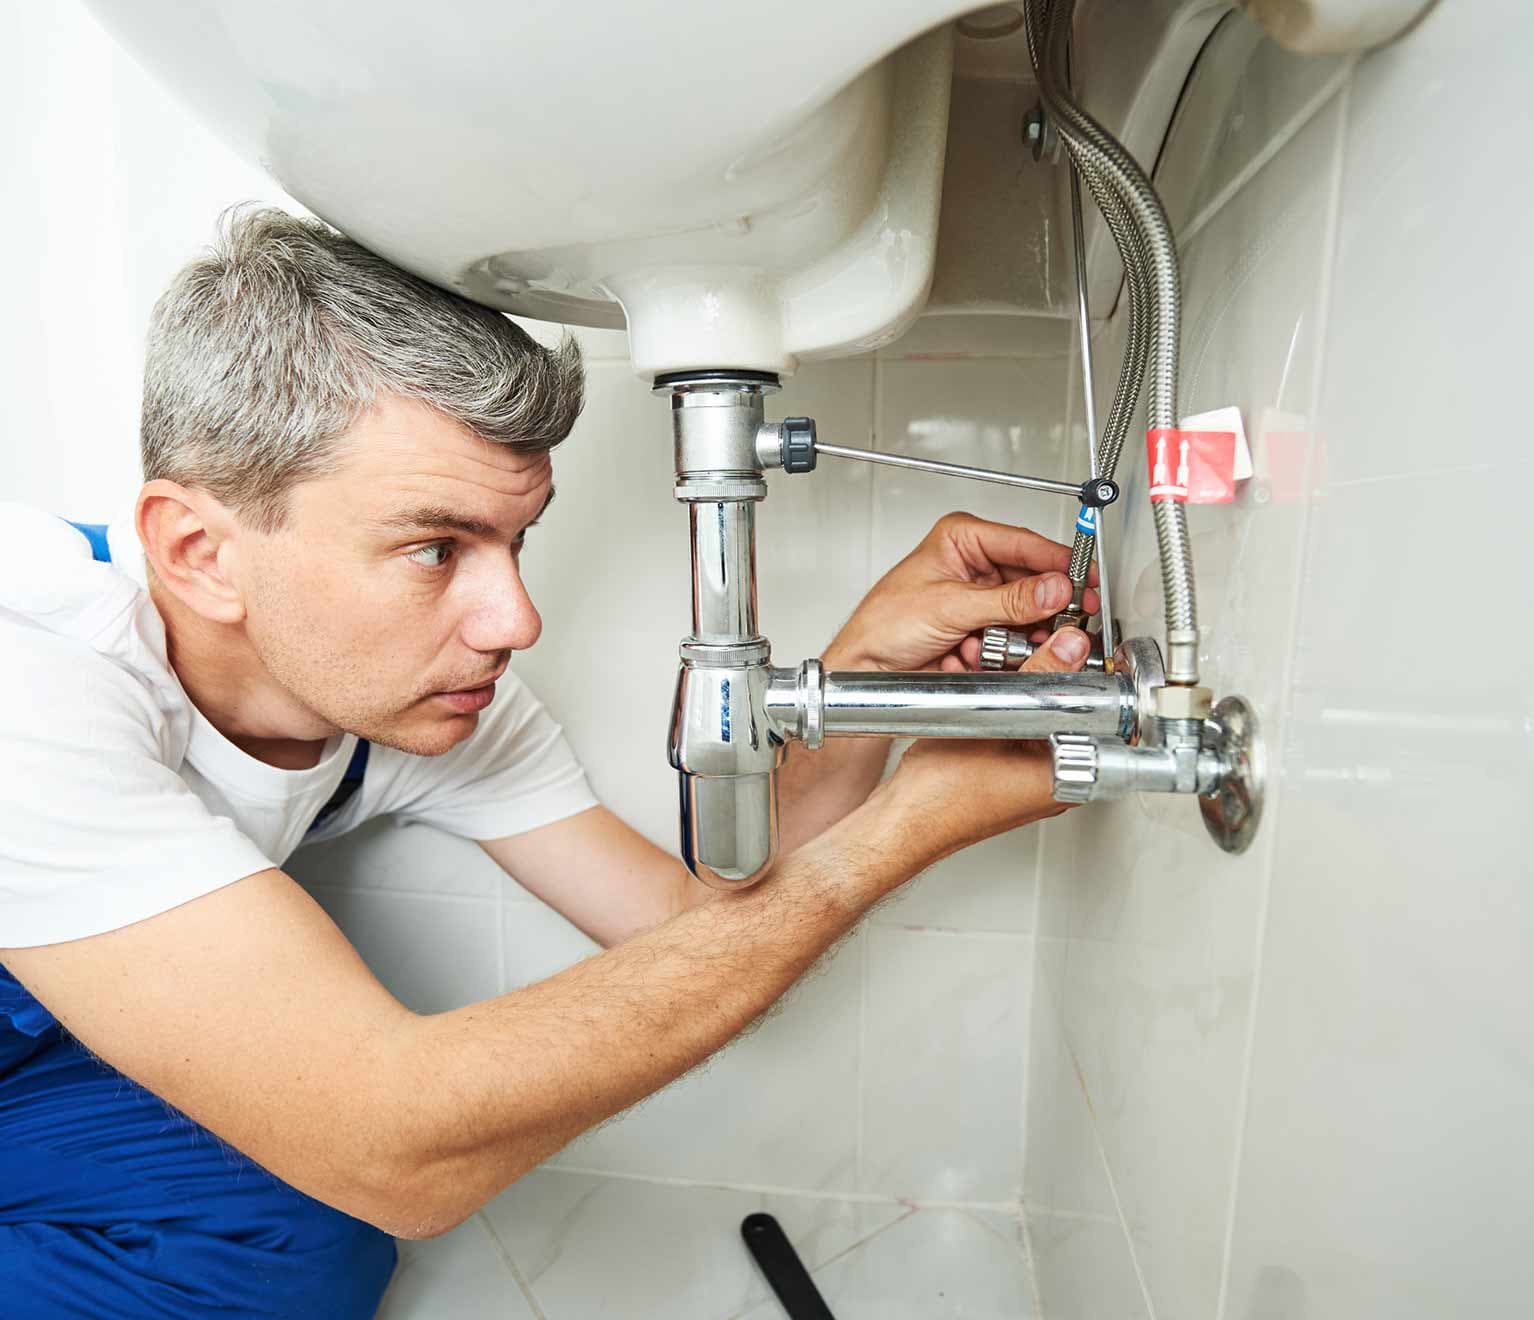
(1152,247)
(1126,394)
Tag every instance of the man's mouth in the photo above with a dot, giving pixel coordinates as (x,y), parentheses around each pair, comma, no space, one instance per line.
(465,701)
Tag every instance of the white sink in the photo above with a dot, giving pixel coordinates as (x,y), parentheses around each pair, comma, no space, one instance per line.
(746,184)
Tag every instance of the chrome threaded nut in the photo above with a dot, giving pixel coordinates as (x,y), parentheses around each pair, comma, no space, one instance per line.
(1075,766)
(1070,617)
(1176,702)
(993,648)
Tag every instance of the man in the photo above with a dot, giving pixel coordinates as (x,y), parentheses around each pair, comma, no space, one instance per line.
(342,464)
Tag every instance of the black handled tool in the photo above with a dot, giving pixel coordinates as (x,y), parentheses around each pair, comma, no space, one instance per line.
(782,1268)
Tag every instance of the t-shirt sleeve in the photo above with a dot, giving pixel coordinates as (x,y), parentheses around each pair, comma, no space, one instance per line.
(515,772)
(98,829)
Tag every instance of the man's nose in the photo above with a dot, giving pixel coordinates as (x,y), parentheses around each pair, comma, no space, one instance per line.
(503,617)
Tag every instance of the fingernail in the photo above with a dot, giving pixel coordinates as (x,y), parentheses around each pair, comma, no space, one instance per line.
(1051,592)
(1070,644)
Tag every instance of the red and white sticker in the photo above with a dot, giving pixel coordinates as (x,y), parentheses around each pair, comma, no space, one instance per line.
(1191,467)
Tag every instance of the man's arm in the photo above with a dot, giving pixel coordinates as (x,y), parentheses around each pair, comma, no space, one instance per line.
(248,1010)
(600,874)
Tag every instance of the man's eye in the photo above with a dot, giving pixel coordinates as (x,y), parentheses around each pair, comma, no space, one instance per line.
(431,556)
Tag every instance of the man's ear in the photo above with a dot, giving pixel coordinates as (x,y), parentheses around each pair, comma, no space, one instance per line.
(188,538)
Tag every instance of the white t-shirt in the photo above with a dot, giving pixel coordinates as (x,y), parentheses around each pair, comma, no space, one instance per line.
(119,800)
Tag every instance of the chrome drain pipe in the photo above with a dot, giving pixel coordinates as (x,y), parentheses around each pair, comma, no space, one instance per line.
(811,704)
(734,714)
(724,749)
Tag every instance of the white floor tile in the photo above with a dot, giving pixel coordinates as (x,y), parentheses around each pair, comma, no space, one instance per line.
(462,1275)
(931,1265)
(594,1248)
(1084,1267)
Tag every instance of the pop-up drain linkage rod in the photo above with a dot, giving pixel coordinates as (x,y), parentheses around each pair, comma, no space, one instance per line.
(793,445)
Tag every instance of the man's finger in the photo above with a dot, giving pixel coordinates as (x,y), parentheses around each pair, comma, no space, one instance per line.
(1064,652)
(1012,574)
(1004,546)
(1028,600)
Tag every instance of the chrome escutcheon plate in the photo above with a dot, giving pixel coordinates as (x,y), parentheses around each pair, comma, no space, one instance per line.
(1233,812)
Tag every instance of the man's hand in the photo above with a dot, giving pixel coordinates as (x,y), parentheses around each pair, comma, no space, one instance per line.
(966,575)
(966,790)
(924,614)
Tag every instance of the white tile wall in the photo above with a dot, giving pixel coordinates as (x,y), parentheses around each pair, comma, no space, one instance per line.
(943,1067)
(1291,1085)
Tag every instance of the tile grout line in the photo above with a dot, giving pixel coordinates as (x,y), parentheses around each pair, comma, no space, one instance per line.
(769,1189)
(1327,281)
(1113,1190)
(864,1241)
(1033,1272)
(511,1265)
(827,1263)
(1017,937)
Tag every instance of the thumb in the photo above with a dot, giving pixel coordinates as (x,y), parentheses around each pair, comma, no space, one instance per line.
(1064,652)
(1027,600)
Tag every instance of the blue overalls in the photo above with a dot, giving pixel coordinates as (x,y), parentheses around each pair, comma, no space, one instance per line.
(113,1204)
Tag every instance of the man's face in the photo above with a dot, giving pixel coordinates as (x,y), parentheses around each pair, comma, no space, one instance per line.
(391,599)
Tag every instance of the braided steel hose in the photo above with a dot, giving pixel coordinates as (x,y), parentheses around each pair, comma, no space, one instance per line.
(1126,394)
(1157,251)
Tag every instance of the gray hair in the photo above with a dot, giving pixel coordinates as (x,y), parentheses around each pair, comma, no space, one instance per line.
(262,353)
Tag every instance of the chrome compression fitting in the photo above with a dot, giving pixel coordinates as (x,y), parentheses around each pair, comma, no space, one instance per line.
(1006,648)
(734,712)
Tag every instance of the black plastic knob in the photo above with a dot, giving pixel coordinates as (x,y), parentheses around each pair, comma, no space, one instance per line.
(1099,492)
(798,444)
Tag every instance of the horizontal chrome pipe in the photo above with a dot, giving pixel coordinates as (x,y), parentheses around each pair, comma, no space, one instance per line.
(806,702)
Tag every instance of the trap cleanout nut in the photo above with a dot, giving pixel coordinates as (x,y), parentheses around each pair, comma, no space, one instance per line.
(1183,703)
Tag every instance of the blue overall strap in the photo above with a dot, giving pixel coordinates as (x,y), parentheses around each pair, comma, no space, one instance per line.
(96,534)
(351,781)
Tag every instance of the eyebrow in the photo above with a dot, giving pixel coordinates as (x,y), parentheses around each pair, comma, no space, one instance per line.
(441,518)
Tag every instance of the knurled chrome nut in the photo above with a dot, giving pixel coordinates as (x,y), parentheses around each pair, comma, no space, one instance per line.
(1174,702)
(993,648)
(1074,757)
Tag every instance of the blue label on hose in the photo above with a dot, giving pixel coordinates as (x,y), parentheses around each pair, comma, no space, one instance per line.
(724,710)
(1086,521)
